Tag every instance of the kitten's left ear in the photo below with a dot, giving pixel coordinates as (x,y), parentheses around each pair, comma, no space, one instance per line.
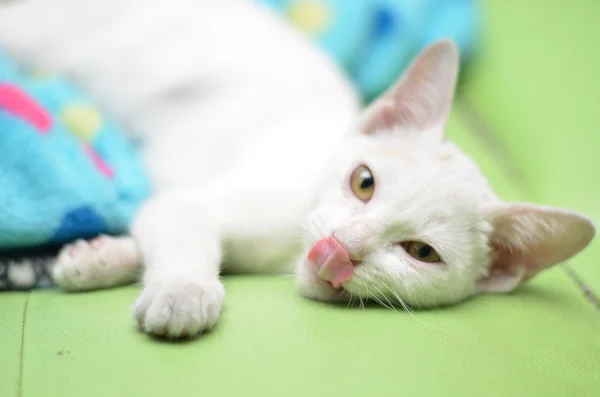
(422,98)
(528,239)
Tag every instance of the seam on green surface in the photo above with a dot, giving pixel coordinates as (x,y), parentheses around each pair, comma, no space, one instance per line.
(20,373)
(582,286)
(487,136)
(489,139)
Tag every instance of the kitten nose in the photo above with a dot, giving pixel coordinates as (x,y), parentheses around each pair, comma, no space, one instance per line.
(354,251)
(356,239)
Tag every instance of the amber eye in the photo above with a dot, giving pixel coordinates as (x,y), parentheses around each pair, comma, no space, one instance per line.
(362,183)
(422,252)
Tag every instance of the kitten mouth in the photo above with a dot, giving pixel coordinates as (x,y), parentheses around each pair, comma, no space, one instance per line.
(331,261)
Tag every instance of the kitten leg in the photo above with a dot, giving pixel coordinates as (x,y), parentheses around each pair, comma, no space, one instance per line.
(100,263)
(182,293)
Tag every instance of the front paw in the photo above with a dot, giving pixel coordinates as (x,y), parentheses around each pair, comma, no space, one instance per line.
(179,309)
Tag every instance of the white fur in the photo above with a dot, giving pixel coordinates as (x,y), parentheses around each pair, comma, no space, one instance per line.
(101,263)
(21,274)
(247,136)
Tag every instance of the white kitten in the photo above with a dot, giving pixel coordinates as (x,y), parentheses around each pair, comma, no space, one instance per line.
(403,216)
(247,136)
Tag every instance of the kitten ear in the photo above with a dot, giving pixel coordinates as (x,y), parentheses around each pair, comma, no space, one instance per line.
(528,239)
(422,98)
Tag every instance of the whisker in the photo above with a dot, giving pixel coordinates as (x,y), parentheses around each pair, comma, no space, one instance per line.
(370,294)
(404,305)
(406,288)
(385,297)
(351,302)
(410,311)
(376,299)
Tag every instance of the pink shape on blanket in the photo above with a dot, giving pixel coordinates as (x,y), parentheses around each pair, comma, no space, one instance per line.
(20,104)
(99,163)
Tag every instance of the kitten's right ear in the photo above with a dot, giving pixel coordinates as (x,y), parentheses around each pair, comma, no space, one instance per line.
(422,98)
(529,238)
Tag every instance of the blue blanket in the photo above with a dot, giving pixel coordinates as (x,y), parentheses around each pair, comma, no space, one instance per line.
(374,40)
(66,171)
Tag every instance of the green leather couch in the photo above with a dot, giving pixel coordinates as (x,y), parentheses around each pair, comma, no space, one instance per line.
(528,112)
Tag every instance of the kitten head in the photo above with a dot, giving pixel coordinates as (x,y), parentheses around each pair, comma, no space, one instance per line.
(402,215)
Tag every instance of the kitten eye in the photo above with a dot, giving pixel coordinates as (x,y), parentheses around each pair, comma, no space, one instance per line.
(422,252)
(362,183)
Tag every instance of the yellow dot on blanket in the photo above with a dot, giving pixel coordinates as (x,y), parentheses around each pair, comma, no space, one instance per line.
(311,16)
(82,120)
(42,75)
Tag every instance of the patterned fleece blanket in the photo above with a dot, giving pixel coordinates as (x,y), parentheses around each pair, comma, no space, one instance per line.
(374,40)
(66,171)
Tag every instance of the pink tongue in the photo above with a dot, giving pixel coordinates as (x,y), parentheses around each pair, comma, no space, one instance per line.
(331,261)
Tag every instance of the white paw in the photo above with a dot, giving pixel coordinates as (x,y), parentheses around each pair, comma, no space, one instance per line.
(102,262)
(179,309)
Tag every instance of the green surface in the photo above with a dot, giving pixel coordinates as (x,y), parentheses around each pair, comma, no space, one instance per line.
(273,341)
(536,84)
(536,88)
(11,319)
